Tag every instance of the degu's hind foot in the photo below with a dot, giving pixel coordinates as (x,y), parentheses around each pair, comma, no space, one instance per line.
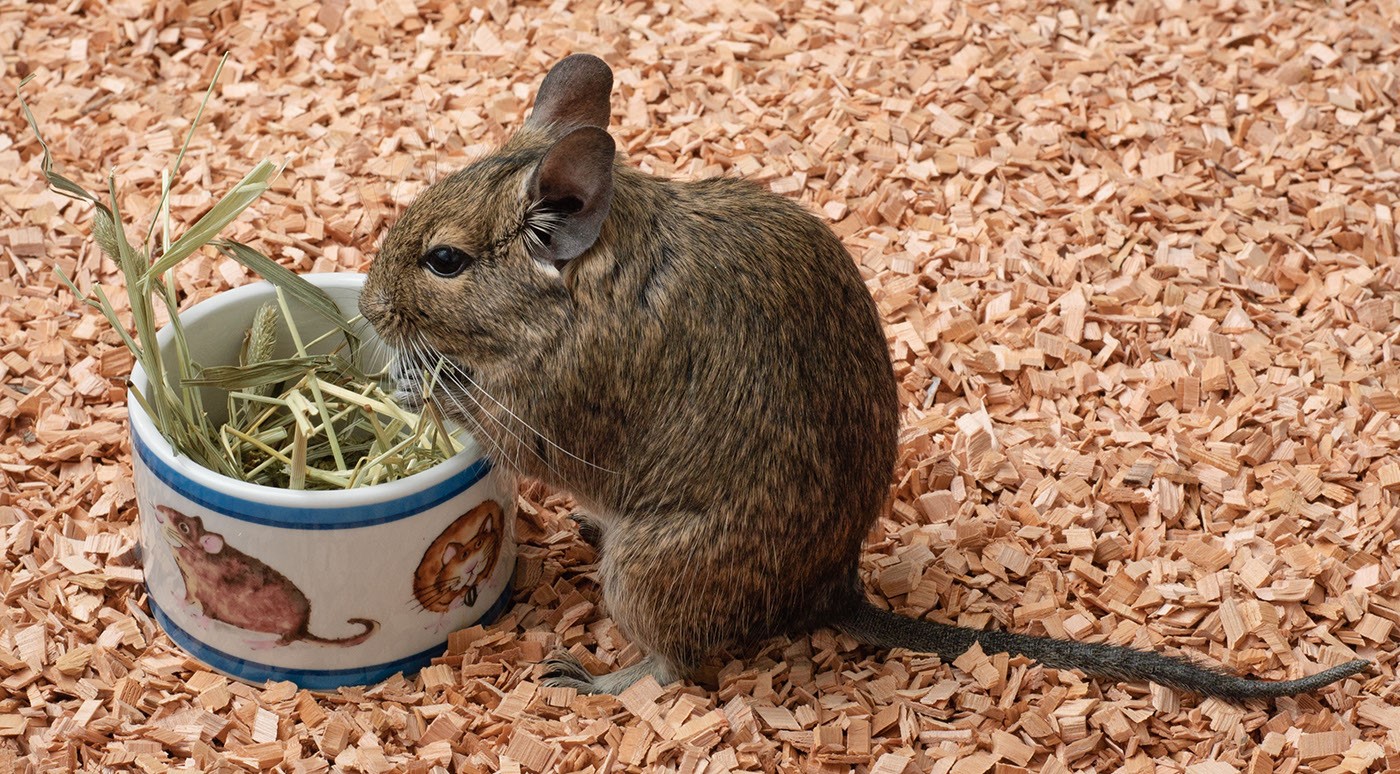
(563,670)
(588,529)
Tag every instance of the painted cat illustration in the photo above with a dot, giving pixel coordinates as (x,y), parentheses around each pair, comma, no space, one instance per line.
(460,559)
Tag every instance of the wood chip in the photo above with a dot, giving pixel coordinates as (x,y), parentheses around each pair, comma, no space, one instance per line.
(529,751)
(1137,280)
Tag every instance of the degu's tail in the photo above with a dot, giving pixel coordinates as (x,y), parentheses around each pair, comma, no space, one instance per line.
(882,628)
(345,642)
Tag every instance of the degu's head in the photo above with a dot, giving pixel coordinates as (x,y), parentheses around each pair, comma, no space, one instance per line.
(473,270)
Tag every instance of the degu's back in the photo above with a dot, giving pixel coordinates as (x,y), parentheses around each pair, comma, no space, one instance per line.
(762,411)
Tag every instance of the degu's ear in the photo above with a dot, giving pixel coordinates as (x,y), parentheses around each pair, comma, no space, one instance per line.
(575,93)
(570,193)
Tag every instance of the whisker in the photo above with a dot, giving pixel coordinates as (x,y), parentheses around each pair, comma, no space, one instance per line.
(476,428)
(520,441)
(454,368)
(480,432)
(448,586)
(439,589)
(438,599)
(420,345)
(425,354)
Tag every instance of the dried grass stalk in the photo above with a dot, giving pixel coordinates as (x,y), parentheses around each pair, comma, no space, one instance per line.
(307,421)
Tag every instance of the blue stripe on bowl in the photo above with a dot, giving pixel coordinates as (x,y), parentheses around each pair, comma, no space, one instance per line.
(313,679)
(289,517)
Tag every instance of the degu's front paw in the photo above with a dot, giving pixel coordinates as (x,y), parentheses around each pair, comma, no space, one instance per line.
(407,375)
(564,670)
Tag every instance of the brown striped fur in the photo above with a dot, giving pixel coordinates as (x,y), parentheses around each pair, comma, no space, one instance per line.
(699,363)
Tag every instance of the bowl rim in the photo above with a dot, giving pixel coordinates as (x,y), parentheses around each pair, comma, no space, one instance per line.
(440,480)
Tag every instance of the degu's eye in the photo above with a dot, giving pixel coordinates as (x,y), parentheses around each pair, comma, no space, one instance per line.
(445,261)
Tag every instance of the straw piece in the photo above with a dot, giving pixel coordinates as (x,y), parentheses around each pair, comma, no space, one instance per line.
(176,410)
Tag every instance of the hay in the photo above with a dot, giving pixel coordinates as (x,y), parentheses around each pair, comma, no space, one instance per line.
(1138,267)
(265,397)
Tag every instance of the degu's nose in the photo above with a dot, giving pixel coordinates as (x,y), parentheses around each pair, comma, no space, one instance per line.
(374,303)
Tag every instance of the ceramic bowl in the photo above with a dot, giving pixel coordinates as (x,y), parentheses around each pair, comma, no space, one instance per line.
(322,588)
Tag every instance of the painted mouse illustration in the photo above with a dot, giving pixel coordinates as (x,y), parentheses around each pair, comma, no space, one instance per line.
(237,589)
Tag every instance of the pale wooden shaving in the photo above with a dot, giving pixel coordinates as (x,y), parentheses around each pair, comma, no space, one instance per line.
(1137,266)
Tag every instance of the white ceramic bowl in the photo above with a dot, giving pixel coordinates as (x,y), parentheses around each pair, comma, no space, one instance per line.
(324,589)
